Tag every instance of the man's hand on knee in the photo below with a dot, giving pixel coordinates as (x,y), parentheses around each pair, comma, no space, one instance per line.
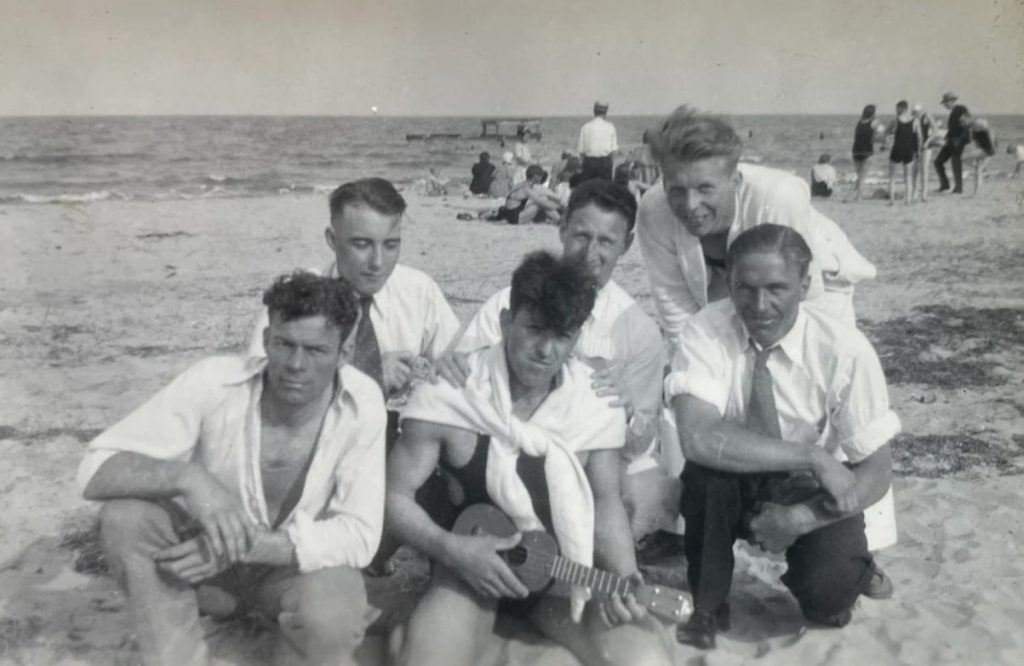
(776,527)
(191,561)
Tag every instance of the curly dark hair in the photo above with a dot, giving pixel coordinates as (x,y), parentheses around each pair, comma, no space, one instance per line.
(606,195)
(304,294)
(771,238)
(558,291)
(687,135)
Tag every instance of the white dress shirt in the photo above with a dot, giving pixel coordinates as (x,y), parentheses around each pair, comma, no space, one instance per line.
(210,415)
(597,138)
(617,330)
(675,259)
(828,386)
(409,313)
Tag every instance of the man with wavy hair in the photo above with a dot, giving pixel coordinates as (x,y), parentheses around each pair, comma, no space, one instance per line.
(528,435)
(251,484)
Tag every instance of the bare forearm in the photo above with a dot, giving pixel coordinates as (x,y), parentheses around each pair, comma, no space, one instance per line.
(613,541)
(731,448)
(135,475)
(412,525)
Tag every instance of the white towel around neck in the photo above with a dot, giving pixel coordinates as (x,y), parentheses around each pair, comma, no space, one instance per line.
(570,420)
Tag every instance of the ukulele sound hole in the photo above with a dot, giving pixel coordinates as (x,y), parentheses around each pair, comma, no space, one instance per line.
(516,556)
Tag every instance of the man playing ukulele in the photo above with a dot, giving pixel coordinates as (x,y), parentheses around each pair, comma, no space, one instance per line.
(528,435)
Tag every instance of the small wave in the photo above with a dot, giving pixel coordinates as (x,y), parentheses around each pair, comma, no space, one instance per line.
(72,158)
(65,198)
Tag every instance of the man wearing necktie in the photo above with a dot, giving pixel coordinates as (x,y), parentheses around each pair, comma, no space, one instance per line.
(784,420)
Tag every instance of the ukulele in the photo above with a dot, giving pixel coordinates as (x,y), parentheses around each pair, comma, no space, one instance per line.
(536,562)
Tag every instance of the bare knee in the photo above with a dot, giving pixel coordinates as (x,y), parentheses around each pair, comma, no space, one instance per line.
(328,607)
(126,524)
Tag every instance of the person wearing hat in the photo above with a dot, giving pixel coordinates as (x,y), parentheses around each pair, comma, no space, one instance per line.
(598,144)
(957,138)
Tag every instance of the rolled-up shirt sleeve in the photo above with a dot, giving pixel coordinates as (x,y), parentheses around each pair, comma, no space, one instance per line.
(166,427)
(348,530)
(862,418)
(698,369)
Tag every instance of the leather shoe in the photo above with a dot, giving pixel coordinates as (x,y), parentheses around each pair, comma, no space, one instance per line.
(699,631)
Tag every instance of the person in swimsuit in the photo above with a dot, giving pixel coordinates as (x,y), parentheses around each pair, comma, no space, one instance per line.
(982,148)
(527,415)
(530,201)
(904,149)
(924,128)
(863,147)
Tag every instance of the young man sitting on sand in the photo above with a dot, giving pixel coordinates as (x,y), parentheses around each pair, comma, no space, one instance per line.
(783,417)
(528,435)
(251,484)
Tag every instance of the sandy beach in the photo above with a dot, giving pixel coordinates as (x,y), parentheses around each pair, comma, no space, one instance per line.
(101,304)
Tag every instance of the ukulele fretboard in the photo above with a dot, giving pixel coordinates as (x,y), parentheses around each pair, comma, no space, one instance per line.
(599,581)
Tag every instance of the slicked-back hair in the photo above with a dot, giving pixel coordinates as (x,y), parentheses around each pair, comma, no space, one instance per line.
(606,195)
(868,112)
(303,294)
(687,135)
(771,238)
(559,292)
(377,194)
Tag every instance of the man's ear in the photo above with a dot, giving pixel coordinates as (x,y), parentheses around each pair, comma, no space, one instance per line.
(266,339)
(737,178)
(330,238)
(805,285)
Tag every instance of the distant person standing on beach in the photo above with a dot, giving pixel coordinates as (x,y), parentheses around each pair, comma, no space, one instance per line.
(645,168)
(823,177)
(483,174)
(982,148)
(957,138)
(863,147)
(521,153)
(1017,150)
(598,144)
(924,128)
(904,149)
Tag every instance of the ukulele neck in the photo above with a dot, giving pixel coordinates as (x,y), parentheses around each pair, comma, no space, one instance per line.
(600,582)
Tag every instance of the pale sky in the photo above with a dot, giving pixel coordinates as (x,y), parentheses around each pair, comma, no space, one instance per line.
(473,57)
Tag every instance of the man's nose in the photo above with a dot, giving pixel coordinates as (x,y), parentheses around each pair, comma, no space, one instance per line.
(693,200)
(761,300)
(376,257)
(296,360)
(546,347)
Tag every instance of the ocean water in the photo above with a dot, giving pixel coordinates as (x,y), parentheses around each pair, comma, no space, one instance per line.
(82,159)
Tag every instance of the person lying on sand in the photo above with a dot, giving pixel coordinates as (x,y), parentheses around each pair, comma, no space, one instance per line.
(251,484)
(529,436)
(786,459)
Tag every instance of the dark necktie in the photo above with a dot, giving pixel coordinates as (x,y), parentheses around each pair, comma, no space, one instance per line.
(366,356)
(762,416)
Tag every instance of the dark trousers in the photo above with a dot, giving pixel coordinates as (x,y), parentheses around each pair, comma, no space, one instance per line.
(827,568)
(597,167)
(950,151)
